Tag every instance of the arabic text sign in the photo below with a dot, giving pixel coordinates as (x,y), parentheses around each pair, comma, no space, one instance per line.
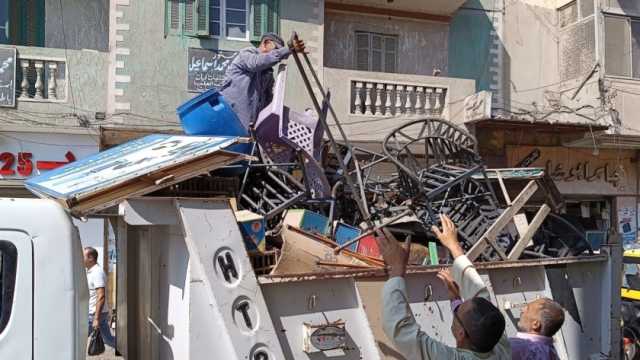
(578,171)
(206,68)
(7,77)
(125,162)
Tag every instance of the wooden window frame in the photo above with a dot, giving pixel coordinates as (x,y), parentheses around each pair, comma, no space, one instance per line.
(384,38)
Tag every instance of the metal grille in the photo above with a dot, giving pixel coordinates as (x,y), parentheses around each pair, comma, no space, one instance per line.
(301,136)
(577,50)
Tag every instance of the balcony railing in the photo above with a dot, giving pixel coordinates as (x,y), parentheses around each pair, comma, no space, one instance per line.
(41,79)
(373,98)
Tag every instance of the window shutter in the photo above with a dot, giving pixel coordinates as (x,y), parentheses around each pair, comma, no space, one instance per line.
(617,59)
(257,11)
(265,18)
(4,21)
(273,20)
(362,51)
(173,15)
(202,14)
(190,17)
(390,57)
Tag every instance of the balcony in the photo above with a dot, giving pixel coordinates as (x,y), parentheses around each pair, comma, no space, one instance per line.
(383,99)
(57,81)
(443,8)
(370,104)
(41,79)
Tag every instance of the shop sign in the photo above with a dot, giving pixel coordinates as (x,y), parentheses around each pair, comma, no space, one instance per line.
(577,170)
(23,163)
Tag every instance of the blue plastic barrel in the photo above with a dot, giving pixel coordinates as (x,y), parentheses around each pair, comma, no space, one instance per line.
(208,114)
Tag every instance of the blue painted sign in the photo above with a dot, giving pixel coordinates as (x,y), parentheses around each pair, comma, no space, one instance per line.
(125,162)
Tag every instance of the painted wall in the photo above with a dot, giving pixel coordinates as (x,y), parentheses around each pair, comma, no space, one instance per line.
(422,45)
(86,88)
(153,75)
(77,24)
(470,38)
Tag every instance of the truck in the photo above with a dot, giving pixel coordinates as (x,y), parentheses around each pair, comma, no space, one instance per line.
(193,284)
(205,298)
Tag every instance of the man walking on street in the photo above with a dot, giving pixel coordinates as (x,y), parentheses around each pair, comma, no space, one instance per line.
(98,309)
(248,84)
(477,325)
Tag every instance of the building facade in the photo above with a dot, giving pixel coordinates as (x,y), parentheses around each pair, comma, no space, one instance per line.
(560,79)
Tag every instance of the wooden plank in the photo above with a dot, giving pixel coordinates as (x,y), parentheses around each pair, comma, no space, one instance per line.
(521,222)
(523,242)
(502,221)
(137,187)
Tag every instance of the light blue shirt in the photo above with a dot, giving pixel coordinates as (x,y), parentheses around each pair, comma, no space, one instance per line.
(401,327)
(248,81)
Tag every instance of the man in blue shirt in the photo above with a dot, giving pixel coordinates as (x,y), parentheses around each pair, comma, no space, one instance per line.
(248,84)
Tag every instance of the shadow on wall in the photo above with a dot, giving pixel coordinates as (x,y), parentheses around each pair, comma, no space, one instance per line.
(472,37)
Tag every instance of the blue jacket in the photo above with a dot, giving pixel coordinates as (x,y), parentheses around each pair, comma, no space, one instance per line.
(248,84)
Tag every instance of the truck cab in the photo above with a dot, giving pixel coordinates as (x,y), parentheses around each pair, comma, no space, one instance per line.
(43,288)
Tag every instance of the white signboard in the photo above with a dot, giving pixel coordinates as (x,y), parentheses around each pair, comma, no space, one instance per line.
(125,162)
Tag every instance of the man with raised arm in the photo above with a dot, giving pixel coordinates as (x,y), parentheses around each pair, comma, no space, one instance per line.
(478,326)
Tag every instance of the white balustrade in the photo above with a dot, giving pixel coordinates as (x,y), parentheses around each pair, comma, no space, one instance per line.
(399,91)
(376,98)
(388,105)
(367,100)
(41,80)
(379,89)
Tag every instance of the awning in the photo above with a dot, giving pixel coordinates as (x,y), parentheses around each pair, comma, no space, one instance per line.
(133,169)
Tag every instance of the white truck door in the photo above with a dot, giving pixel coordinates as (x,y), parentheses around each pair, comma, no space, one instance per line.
(16,295)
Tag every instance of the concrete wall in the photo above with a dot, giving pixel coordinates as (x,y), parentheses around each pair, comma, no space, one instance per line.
(631,7)
(153,78)
(531,45)
(470,38)
(422,45)
(77,24)
(86,89)
(366,128)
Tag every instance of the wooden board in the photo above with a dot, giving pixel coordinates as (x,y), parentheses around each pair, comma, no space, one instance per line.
(133,169)
(302,251)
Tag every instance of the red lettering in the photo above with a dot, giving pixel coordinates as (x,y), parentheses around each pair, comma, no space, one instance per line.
(25,166)
(7,159)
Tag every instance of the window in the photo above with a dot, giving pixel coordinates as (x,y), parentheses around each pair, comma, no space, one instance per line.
(22,22)
(622,46)
(8,267)
(376,52)
(233,19)
(574,11)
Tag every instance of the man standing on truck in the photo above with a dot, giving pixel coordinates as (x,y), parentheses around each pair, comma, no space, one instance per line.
(98,309)
(478,326)
(248,83)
